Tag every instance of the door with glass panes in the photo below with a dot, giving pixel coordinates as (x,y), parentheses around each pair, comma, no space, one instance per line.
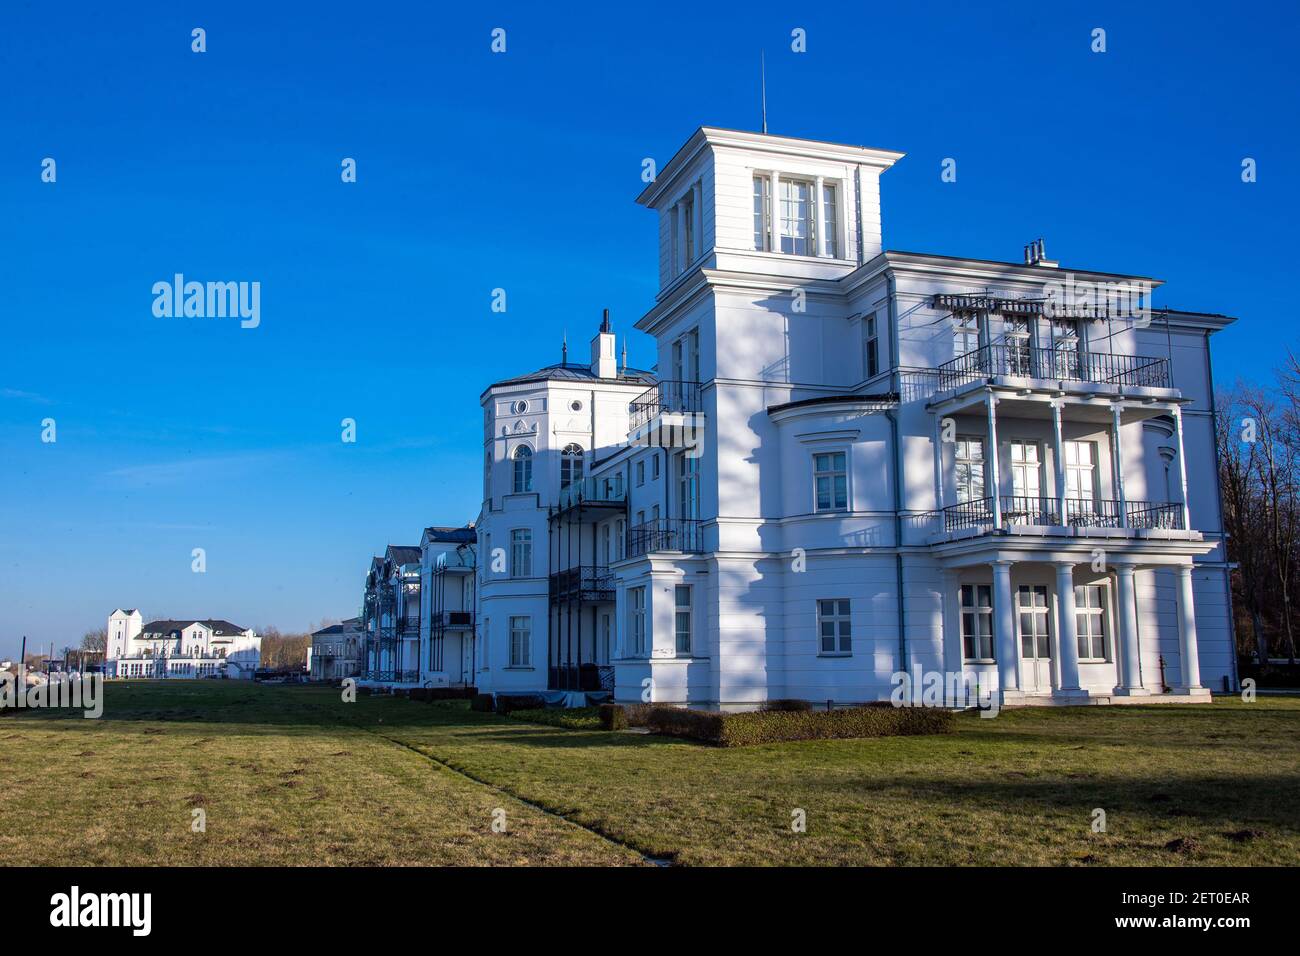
(1035,639)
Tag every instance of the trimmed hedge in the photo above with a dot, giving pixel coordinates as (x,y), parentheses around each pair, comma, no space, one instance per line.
(483,703)
(567,718)
(773,726)
(613,717)
(782,703)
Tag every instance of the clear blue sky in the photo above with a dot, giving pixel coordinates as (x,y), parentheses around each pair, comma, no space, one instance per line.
(519,171)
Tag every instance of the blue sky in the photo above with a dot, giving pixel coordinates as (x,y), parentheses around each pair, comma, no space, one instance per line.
(518,170)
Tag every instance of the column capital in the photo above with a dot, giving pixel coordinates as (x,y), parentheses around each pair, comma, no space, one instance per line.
(1123,567)
(1063,564)
(1002,563)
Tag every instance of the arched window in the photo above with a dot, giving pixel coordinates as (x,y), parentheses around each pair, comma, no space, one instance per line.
(523,460)
(570,465)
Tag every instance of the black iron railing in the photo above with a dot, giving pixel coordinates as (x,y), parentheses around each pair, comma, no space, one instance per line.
(579,677)
(665,534)
(662,397)
(391,676)
(1079,513)
(455,619)
(602,490)
(585,583)
(1064,365)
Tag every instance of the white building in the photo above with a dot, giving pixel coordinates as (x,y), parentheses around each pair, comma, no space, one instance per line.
(448,597)
(179,648)
(877,461)
(335,651)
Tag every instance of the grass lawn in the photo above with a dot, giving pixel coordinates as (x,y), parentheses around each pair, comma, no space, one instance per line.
(293,775)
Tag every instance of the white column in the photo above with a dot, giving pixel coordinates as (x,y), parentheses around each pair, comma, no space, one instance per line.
(1058,461)
(818,225)
(991,454)
(1182,467)
(1004,630)
(1067,641)
(950,606)
(774,210)
(1126,609)
(1187,647)
(1117,465)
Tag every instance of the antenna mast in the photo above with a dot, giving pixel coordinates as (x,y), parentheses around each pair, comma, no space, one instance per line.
(762,67)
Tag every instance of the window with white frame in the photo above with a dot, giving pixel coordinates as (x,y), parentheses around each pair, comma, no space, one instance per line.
(830,220)
(968,468)
(977,622)
(966,327)
(1090,622)
(1080,471)
(570,465)
(835,626)
(654,468)
(521,553)
(830,481)
(487,475)
(762,214)
(636,619)
(521,640)
(796,216)
(688,227)
(640,473)
(620,532)
(870,347)
(607,551)
(523,469)
(682,618)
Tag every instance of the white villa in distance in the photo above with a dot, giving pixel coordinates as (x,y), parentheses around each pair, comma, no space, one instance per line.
(189,648)
(851,462)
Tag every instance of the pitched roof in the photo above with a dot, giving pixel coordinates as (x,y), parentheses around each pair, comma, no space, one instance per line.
(218,627)
(572,372)
(332,629)
(466,535)
(402,554)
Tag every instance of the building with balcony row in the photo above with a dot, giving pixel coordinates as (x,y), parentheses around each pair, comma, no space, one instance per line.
(335,651)
(847,462)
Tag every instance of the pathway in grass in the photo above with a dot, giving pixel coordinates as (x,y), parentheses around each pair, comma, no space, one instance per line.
(1217,782)
(281,776)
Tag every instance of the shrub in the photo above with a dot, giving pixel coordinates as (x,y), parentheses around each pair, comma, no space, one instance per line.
(568,718)
(772,726)
(482,703)
(638,715)
(510,702)
(613,717)
(787,703)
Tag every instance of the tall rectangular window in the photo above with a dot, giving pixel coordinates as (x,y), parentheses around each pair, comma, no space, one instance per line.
(521,641)
(688,228)
(969,469)
(521,553)
(796,217)
(640,473)
(1089,622)
(654,468)
(870,347)
(620,532)
(682,618)
(834,626)
(1080,477)
(762,205)
(966,328)
(636,619)
(831,481)
(830,220)
(977,622)
(607,552)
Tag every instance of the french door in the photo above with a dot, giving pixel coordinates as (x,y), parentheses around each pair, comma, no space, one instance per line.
(1035,639)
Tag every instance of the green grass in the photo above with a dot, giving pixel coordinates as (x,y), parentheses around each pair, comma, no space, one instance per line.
(293,775)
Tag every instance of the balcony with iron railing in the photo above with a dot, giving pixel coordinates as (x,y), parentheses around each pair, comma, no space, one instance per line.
(1012,360)
(665,534)
(588,583)
(1079,513)
(662,398)
(453,620)
(604,491)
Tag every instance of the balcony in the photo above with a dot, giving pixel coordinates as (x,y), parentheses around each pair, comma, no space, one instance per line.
(663,398)
(1079,513)
(1023,361)
(665,534)
(600,491)
(588,583)
(453,620)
